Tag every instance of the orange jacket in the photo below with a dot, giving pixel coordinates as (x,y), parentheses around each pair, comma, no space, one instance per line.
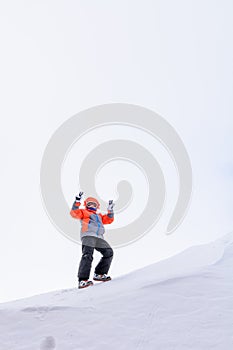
(92,223)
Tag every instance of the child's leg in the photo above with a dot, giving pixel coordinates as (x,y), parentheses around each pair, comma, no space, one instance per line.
(88,244)
(107,255)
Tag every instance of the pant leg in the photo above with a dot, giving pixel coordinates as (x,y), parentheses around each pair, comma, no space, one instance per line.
(105,249)
(88,244)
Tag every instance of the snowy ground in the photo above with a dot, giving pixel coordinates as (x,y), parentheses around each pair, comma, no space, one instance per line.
(185,302)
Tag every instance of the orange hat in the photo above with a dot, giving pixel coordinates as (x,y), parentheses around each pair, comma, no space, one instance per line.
(92,199)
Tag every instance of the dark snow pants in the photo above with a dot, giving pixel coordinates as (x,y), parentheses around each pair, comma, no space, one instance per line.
(89,243)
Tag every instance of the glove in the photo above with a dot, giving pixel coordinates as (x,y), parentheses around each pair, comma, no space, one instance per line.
(79,197)
(110,204)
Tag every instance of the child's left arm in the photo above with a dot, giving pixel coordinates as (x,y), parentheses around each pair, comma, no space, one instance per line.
(109,218)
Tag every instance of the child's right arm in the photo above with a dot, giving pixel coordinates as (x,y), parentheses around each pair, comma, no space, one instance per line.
(75,212)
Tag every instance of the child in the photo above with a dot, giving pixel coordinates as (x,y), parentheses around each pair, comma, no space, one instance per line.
(92,232)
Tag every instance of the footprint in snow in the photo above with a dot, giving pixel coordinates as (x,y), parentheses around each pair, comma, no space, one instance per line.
(48,343)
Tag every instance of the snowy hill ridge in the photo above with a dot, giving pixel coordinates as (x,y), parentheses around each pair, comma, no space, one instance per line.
(184,302)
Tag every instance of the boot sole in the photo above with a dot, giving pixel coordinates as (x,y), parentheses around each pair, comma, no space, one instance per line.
(106,280)
(88,285)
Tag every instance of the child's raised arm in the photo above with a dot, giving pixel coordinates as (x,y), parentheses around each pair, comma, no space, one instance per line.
(75,212)
(109,218)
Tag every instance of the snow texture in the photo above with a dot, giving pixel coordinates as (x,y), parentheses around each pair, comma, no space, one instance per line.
(184,302)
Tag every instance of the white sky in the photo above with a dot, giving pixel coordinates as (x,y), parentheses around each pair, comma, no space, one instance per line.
(60,57)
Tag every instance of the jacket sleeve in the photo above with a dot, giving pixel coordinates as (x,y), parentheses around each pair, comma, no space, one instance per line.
(108,218)
(75,212)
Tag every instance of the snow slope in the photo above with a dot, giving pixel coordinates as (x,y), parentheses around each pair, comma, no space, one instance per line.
(184,302)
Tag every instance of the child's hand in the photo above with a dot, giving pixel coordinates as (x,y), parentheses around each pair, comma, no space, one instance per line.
(110,204)
(79,197)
